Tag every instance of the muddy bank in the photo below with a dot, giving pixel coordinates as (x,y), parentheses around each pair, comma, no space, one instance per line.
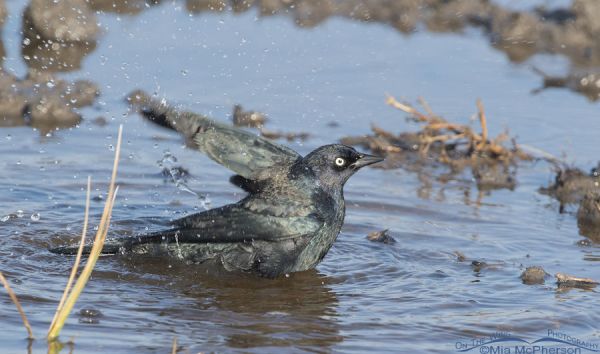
(56,36)
(583,82)
(571,32)
(43,100)
(3,13)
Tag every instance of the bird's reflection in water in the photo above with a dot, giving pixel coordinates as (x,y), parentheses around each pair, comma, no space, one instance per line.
(242,310)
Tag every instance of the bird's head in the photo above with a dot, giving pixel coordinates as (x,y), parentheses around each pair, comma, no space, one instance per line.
(332,165)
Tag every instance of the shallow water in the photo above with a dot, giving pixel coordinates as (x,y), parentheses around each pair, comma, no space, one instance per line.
(411,296)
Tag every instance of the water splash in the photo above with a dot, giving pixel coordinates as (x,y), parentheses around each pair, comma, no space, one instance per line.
(179,175)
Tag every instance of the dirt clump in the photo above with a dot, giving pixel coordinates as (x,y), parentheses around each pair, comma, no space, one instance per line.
(381,236)
(534,275)
(251,119)
(588,215)
(572,184)
(42,100)
(63,21)
(575,186)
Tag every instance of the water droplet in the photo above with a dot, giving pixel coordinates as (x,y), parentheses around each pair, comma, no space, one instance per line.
(184,72)
(35,217)
(26,41)
(111,147)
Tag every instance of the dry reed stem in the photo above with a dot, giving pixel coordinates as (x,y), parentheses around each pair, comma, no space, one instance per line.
(56,326)
(426,106)
(483,121)
(79,252)
(390,100)
(14,299)
(174,346)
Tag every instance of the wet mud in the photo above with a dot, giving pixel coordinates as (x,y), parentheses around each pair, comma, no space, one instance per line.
(534,275)
(381,236)
(43,101)
(56,36)
(573,186)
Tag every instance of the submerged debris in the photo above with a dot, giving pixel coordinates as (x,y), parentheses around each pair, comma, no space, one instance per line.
(444,143)
(90,316)
(534,275)
(570,281)
(270,134)
(243,118)
(478,265)
(460,257)
(381,236)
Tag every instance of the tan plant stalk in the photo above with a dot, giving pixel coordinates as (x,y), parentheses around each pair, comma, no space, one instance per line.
(58,324)
(14,299)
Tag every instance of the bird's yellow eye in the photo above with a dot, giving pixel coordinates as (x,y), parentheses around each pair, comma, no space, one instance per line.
(340,162)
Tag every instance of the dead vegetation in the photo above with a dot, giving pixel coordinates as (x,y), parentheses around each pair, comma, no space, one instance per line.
(570,281)
(440,142)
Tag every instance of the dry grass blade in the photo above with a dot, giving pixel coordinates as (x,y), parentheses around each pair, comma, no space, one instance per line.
(390,100)
(14,299)
(483,121)
(57,325)
(174,346)
(79,251)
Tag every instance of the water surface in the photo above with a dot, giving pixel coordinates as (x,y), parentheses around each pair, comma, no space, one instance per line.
(411,296)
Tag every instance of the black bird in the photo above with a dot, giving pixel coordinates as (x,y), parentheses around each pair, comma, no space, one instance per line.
(289,220)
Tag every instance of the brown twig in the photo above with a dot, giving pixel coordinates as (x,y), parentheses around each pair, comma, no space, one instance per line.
(14,299)
(426,106)
(390,100)
(483,121)
(174,346)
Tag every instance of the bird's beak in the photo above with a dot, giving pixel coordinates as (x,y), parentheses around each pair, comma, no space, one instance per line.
(365,160)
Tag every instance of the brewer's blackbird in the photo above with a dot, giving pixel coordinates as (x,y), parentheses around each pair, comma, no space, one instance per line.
(289,220)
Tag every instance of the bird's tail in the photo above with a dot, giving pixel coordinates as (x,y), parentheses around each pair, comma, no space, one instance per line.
(121,245)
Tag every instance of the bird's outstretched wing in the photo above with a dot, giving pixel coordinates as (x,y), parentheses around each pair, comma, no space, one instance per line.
(228,224)
(243,152)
